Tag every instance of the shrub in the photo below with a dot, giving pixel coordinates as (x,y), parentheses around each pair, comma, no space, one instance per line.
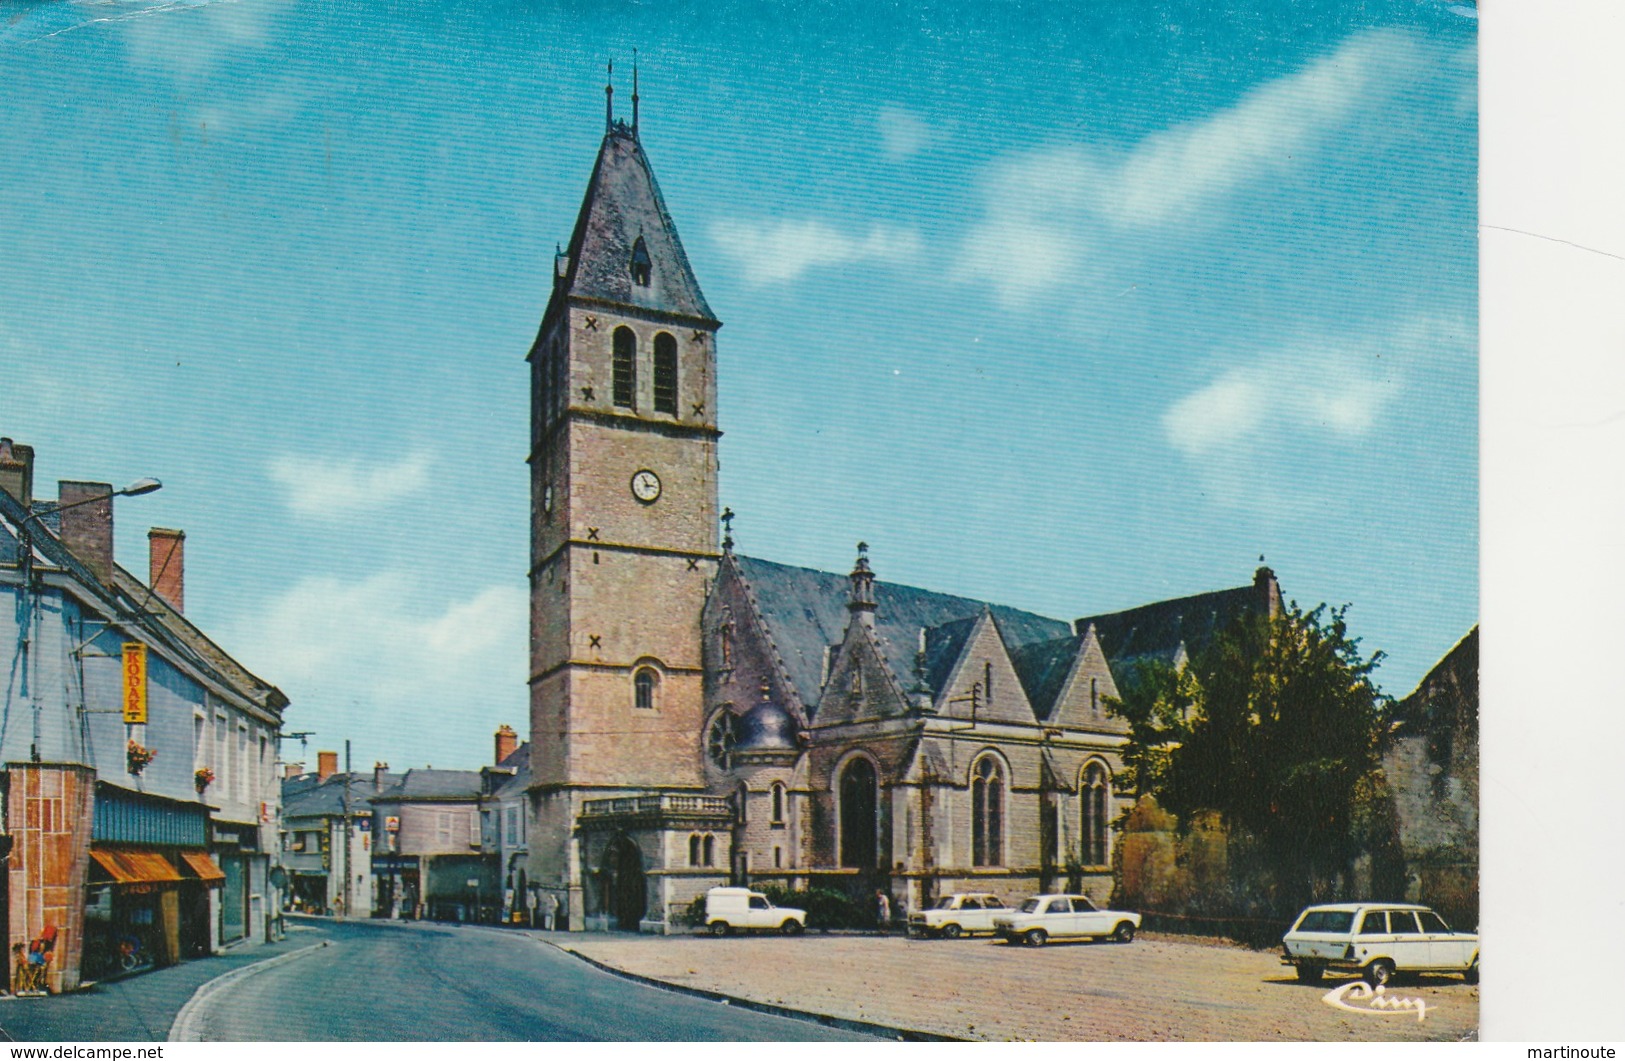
(826,908)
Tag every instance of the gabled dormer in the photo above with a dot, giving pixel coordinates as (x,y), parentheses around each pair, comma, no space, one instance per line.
(980,681)
(1081,703)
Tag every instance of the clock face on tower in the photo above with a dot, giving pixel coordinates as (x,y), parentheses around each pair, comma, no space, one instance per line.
(646,486)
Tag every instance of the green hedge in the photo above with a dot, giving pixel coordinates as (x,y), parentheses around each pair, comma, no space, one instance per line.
(826,908)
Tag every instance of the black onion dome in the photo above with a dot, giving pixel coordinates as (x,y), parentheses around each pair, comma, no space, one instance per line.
(766,727)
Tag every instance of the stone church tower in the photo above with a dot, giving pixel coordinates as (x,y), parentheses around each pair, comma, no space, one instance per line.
(623,524)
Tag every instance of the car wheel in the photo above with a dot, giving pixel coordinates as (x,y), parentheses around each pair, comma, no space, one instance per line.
(951,931)
(791,927)
(1124,933)
(1309,973)
(1036,937)
(720,928)
(1379,972)
(1471,975)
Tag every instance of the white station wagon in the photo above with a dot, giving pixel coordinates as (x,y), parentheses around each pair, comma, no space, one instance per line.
(957,915)
(1377,940)
(1046,917)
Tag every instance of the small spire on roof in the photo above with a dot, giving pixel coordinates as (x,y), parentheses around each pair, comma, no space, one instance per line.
(634,92)
(609,98)
(727,530)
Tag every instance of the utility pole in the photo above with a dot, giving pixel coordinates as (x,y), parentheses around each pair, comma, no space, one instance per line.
(349,839)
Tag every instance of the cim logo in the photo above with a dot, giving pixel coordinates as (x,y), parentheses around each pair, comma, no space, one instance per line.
(1359,997)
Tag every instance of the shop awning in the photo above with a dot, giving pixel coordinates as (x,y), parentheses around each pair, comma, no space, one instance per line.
(127,865)
(203,868)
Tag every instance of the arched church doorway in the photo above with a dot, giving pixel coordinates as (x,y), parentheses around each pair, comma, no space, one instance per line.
(859,802)
(624,896)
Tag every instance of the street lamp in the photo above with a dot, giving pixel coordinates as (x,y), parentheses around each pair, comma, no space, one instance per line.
(25,544)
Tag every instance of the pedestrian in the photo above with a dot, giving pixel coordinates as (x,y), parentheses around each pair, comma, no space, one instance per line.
(882,910)
(550,909)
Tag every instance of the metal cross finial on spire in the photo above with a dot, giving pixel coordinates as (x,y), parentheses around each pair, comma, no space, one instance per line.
(727,530)
(609,98)
(634,92)
(863,548)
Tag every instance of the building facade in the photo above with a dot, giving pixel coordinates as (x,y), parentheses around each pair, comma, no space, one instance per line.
(329,826)
(430,861)
(699,716)
(139,757)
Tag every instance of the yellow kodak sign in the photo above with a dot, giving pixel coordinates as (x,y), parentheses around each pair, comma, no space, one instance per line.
(135,682)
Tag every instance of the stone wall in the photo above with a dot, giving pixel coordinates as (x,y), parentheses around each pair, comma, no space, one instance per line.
(48,814)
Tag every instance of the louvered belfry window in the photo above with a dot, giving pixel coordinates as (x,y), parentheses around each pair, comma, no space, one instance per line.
(665,373)
(626,367)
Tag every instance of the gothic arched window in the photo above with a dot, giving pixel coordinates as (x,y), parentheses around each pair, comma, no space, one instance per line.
(625,368)
(694,851)
(1093,791)
(858,814)
(987,812)
(710,851)
(665,374)
(743,800)
(645,683)
(640,263)
(778,802)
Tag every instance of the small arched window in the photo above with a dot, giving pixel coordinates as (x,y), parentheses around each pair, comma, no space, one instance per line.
(694,851)
(665,374)
(640,263)
(742,798)
(625,368)
(987,812)
(710,851)
(725,635)
(778,803)
(1094,791)
(645,684)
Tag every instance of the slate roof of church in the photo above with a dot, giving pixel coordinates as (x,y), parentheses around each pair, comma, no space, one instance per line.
(1158,629)
(805,610)
(623,202)
(1042,667)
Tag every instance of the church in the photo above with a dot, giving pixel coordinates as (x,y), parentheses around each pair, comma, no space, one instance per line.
(699,717)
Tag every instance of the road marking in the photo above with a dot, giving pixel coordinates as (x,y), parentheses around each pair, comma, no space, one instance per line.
(188,1026)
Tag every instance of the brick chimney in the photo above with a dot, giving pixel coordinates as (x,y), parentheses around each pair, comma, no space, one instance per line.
(292,769)
(166,565)
(86,524)
(378,772)
(327,764)
(507,741)
(17,471)
(1269,591)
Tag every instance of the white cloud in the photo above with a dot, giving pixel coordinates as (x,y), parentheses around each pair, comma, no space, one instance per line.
(1299,391)
(1048,211)
(903,134)
(332,489)
(777,251)
(396,661)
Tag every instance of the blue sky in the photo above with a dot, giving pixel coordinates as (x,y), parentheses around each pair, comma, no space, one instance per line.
(1070,307)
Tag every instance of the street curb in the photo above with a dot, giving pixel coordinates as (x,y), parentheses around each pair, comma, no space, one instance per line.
(182,1030)
(907,1035)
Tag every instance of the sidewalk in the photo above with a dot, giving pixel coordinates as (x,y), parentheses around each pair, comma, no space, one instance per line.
(138,1008)
(1150,990)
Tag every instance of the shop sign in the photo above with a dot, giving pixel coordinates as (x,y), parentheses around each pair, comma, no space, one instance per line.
(135,683)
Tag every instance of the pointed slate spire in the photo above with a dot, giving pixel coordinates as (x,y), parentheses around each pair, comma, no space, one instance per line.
(861,601)
(622,209)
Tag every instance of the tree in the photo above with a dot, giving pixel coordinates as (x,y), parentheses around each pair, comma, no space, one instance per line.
(1282,734)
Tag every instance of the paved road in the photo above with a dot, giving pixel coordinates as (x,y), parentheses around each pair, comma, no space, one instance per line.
(384,981)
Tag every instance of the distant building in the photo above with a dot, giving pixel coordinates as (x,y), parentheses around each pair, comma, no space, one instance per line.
(329,827)
(139,757)
(504,824)
(1432,770)
(431,861)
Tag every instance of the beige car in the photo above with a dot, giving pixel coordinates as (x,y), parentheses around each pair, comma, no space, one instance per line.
(1377,940)
(957,915)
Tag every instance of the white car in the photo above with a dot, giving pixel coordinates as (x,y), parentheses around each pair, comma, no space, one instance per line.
(729,908)
(1046,917)
(1377,940)
(957,915)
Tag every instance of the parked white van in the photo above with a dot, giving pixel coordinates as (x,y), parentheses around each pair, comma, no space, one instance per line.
(729,908)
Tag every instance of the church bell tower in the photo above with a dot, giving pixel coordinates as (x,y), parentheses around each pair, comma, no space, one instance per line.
(623,464)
